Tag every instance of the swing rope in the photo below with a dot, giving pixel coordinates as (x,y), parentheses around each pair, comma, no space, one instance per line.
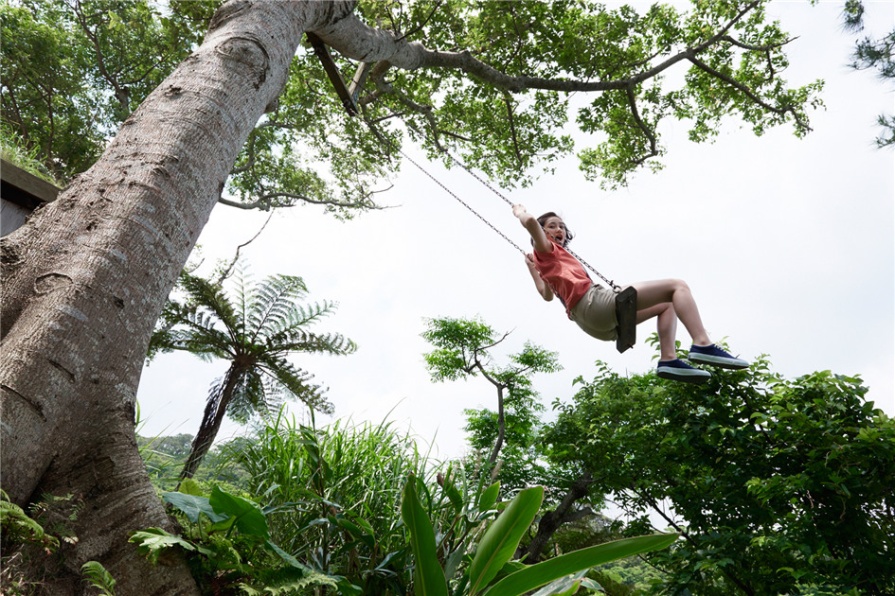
(461,201)
(609,282)
(625,300)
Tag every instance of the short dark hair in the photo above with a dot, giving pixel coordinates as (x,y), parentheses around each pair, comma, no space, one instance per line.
(543,219)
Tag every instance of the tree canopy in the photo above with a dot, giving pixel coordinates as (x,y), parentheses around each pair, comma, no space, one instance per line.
(778,486)
(522,71)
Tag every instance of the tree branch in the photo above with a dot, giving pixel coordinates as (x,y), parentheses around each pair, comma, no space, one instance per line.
(748,93)
(465,61)
(501,427)
(689,538)
(563,513)
(423,110)
(266,201)
(755,48)
(122,93)
(225,273)
(632,102)
(507,98)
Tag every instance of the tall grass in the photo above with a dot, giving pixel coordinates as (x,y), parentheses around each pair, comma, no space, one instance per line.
(334,496)
(13,150)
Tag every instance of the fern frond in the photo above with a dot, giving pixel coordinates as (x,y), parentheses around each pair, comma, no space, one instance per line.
(297,383)
(97,576)
(302,341)
(271,298)
(289,580)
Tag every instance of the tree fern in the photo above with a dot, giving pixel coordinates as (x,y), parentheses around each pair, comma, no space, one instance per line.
(256,327)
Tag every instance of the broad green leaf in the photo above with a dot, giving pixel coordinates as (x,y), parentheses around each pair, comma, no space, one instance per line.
(192,506)
(429,577)
(500,541)
(488,497)
(564,586)
(249,518)
(452,561)
(189,486)
(346,588)
(542,573)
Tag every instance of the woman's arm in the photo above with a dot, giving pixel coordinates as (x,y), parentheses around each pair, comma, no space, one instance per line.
(543,289)
(541,244)
(530,223)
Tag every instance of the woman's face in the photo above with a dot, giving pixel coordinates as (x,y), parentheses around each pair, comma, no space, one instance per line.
(556,230)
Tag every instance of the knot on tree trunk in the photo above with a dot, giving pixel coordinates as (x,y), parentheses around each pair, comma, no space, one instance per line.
(249,52)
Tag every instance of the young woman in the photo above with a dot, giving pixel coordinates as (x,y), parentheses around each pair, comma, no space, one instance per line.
(592,307)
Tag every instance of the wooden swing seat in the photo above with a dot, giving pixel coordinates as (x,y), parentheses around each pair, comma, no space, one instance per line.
(626,315)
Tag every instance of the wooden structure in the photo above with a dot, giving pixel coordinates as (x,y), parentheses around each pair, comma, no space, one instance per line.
(347,93)
(20,194)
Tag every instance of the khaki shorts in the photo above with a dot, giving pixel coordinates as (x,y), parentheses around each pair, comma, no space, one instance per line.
(595,313)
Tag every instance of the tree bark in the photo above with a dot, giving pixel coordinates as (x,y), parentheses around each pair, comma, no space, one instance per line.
(85,279)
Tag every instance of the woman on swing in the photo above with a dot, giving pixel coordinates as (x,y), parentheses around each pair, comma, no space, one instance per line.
(592,307)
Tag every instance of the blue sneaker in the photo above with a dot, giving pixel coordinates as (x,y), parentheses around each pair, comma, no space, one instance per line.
(715,356)
(678,370)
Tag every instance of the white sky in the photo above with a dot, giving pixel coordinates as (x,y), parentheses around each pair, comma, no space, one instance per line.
(787,244)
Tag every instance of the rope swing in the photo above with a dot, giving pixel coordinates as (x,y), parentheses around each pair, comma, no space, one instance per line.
(625,298)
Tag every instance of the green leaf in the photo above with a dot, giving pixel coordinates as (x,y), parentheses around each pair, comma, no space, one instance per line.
(453,494)
(500,541)
(287,557)
(354,530)
(98,577)
(249,518)
(489,497)
(192,506)
(542,573)
(428,575)
(189,486)
(564,586)
(152,541)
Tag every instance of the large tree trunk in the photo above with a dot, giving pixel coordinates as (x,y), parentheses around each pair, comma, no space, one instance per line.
(86,278)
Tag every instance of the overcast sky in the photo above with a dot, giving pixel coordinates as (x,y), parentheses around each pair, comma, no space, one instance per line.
(787,245)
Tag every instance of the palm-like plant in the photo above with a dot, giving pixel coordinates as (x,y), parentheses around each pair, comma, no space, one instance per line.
(255,329)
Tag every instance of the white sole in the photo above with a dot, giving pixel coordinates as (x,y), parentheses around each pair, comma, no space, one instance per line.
(729,363)
(684,375)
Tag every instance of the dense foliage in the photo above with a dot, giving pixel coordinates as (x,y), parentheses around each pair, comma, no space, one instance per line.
(778,486)
(73,71)
(521,65)
(343,509)
(506,442)
(775,485)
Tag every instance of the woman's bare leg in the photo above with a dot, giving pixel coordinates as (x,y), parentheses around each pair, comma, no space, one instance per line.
(676,292)
(666,326)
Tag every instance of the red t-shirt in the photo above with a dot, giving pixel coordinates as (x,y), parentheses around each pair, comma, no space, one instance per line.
(564,274)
